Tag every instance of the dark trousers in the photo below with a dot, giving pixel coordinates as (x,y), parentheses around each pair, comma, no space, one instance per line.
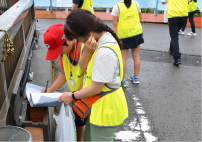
(191,20)
(175,24)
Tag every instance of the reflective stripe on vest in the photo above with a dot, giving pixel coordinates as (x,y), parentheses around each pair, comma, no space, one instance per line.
(129,22)
(110,110)
(177,8)
(77,74)
(88,5)
(192,6)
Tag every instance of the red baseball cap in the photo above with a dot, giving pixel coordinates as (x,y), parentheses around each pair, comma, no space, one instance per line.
(54,37)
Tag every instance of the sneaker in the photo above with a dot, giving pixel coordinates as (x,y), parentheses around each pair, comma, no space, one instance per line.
(181,32)
(124,83)
(135,79)
(191,34)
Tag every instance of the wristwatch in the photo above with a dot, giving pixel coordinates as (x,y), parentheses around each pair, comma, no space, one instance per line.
(74,96)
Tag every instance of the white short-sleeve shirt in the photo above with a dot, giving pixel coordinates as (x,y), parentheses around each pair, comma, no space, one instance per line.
(115,10)
(106,65)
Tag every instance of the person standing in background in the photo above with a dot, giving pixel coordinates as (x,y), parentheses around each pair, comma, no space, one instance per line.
(192,7)
(177,16)
(83,4)
(70,53)
(126,23)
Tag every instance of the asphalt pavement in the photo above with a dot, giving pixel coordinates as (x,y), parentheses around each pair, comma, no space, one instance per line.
(166,105)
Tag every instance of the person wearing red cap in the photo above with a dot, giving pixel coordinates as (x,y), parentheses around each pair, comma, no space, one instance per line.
(70,53)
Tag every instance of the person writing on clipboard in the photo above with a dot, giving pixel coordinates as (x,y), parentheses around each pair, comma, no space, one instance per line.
(70,53)
(83,4)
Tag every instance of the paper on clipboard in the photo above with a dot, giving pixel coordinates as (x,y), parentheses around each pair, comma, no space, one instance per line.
(38,99)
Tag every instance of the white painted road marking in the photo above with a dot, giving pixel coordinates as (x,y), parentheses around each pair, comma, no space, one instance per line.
(139,127)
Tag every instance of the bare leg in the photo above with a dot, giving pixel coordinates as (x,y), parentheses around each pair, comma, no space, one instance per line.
(80,133)
(124,53)
(136,58)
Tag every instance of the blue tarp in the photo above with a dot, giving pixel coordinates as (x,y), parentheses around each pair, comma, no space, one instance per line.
(110,3)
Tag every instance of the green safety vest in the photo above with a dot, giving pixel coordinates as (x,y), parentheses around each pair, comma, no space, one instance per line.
(111,109)
(76,80)
(129,22)
(177,8)
(88,5)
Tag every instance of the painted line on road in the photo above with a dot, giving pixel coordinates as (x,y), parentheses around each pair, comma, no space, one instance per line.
(140,127)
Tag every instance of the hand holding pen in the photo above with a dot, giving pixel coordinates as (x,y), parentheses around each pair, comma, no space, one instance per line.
(46,86)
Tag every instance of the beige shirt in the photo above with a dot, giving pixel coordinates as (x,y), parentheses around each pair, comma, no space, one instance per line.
(115,10)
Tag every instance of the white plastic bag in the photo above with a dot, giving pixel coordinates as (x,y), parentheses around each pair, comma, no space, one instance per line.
(66,130)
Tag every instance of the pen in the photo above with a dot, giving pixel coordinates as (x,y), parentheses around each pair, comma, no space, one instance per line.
(46,86)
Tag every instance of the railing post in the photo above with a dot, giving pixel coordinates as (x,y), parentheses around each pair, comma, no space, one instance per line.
(156,9)
(51,6)
(3,84)
(34,18)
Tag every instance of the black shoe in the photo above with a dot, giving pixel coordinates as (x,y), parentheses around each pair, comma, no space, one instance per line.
(177,62)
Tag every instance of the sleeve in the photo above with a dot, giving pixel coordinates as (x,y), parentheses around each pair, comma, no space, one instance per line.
(138,7)
(115,10)
(61,63)
(76,1)
(104,65)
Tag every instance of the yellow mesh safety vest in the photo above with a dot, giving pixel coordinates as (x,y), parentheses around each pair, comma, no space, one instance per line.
(129,22)
(77,74)
(192,6)
(177,8)
(88,5)
(111,109)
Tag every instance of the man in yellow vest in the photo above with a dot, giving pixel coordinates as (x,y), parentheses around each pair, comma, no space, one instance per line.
(177,16)
(83,4)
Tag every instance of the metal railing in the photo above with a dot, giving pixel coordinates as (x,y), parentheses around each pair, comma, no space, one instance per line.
(19,22)
(4,5)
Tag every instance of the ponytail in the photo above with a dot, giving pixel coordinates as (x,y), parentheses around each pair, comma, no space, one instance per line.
(115,36)
(100,26)
(127,3)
